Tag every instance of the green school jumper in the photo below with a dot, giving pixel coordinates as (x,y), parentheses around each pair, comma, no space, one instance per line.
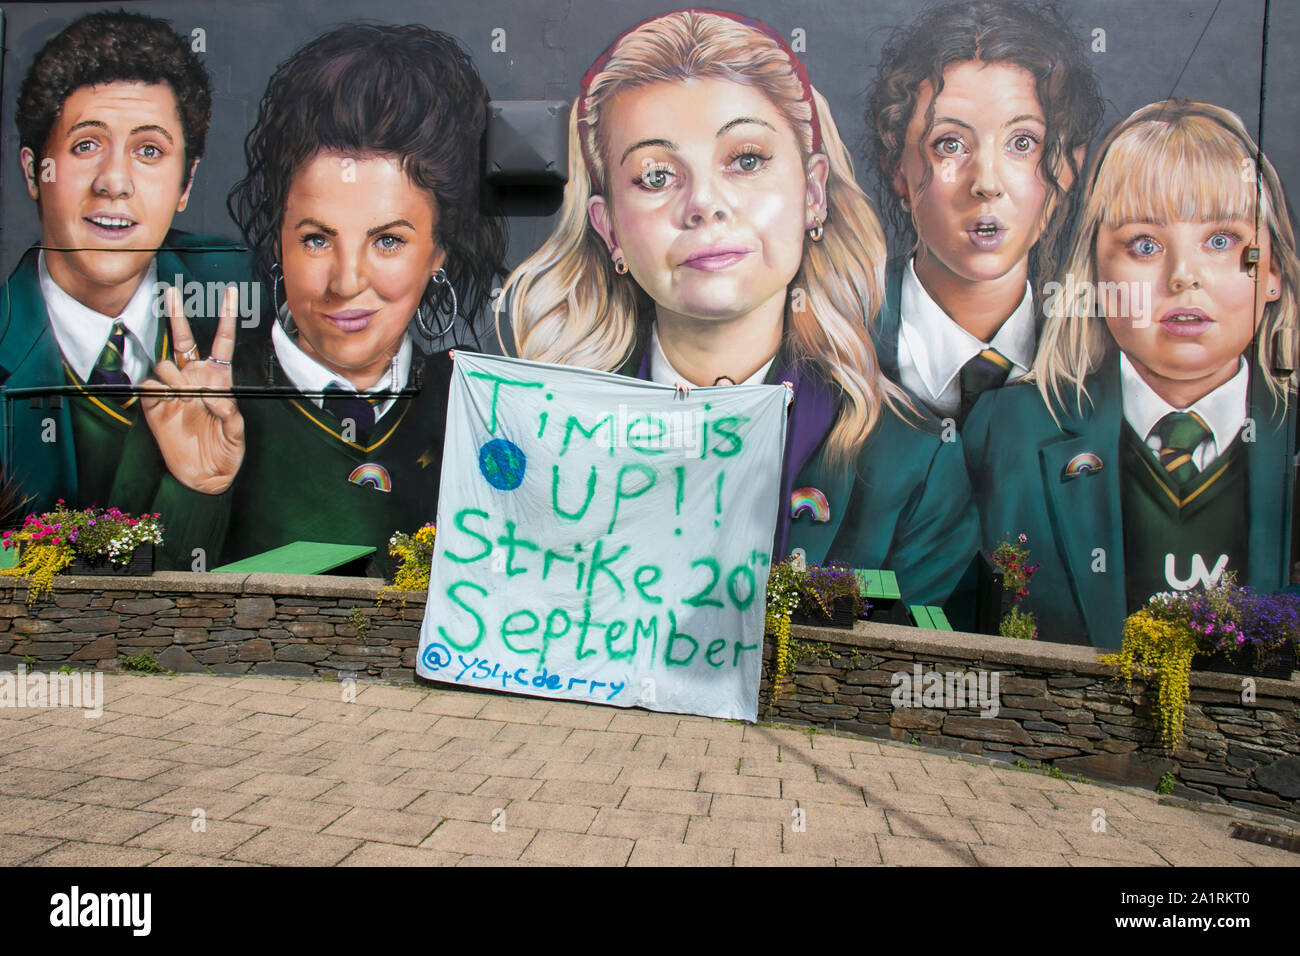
(100,427)
(303,479)
(1172,530)
(97,456)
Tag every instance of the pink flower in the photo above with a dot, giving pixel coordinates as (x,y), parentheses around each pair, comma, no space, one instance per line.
(1023,539)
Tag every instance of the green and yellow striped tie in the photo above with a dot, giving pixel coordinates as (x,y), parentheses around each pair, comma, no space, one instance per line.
(1180,434)
(108,368)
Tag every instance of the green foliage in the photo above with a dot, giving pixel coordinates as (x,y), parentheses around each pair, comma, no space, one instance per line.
(782,599)
(1158,646)
(1013,560)
(801,651)
(414,553)
(1019,624)
(359,622)
(1166,784)
(144,663)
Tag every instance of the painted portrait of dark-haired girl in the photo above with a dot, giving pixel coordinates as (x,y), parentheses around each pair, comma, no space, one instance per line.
(361,204)
(980,116)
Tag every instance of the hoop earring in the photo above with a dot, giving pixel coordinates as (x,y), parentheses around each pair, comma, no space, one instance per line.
(287,323)
(425,325)
(815,233)
(620,266)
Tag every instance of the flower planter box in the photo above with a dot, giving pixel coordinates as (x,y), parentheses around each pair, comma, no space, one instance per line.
(1278,665)
(992,600)
(141,564)
(889,611)
(843,616)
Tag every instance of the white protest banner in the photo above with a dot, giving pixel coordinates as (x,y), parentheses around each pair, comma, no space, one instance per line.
(603,539)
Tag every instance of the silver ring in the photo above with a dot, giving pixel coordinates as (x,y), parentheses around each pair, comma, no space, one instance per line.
(217,361)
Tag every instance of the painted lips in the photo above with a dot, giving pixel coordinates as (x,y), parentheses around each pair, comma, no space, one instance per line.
(715,258)
(987,233)
(1185,322)
(108,226)
(350,320)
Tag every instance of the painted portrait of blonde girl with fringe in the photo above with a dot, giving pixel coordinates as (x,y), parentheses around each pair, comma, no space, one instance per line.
(1155,452)
(712,230)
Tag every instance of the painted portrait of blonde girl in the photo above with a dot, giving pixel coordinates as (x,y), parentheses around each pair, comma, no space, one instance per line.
(712,229)
(1155,452)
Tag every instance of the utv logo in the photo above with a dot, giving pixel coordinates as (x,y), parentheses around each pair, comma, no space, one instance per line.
(102,909)
(950,691)
(1200,573)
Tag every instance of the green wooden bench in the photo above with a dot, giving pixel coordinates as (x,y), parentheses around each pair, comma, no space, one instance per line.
(931,617)
(876,585)
(301,557)
(880,587)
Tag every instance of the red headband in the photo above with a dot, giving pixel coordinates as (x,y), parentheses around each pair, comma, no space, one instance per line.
(603,60)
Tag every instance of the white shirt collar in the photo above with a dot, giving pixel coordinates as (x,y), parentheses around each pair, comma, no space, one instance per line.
(939,347)
(1224,409)
(308,375)
(662,371)
(82,332)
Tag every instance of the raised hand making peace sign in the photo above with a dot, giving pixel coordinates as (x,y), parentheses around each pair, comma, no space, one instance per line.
(189,407)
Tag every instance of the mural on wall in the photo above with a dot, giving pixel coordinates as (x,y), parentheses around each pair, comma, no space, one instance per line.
(712,227)
(112,120)
(1082,337)
(1156,451)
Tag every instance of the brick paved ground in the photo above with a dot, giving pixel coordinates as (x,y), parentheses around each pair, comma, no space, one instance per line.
(286,772)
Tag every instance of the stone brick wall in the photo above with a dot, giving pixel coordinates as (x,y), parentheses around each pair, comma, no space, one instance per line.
(1056,704)
(275,624)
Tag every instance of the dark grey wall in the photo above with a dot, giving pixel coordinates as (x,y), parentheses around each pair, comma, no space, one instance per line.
(1154,48)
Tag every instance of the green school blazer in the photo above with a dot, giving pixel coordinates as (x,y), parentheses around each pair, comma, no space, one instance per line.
(904,506)
(1019,465)
(30,358)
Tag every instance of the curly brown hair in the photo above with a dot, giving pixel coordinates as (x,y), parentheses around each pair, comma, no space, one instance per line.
(1036,37)
(116,47)
(403,91)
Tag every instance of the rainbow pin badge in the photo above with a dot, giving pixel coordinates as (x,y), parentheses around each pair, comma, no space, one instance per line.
(376,476)
(1084,463)
(809,501)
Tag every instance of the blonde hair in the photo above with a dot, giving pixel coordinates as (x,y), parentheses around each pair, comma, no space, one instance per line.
(567,305)
(1176,160)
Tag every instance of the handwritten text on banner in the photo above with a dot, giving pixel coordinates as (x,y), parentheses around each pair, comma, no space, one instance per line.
(602,539)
